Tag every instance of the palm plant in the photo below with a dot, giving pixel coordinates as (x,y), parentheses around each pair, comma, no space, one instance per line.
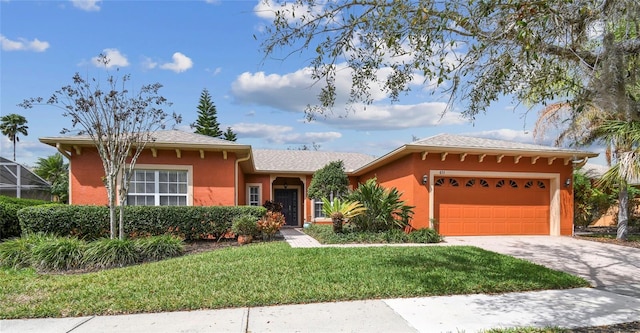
(624,136)
(385,208)
(339,211)
(55,171)
(11,125)
(618,129)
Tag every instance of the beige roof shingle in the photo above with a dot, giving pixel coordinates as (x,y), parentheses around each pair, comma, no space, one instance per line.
(459,141)
(305,160)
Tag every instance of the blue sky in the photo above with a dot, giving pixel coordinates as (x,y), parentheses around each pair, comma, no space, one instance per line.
(191,45)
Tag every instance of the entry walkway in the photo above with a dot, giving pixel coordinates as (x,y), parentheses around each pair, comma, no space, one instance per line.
(297,238)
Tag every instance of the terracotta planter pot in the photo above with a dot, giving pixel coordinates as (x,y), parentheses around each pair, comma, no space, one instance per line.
(244,239)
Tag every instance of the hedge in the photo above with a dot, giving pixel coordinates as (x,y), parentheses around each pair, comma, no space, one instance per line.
(9,206)
(92,222)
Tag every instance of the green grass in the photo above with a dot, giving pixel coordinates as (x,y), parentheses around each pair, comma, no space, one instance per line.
(270,274)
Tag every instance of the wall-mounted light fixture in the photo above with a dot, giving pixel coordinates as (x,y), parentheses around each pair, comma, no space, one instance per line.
(567,182)
(425,179)
(285,184)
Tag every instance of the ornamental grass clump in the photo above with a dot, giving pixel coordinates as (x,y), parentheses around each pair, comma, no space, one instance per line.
(270,224)
(58,253)
(157,248)
(109,253)
(16,253)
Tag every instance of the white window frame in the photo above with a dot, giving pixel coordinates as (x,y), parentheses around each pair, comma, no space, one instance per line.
(313,211)
(161,167)
(249,187)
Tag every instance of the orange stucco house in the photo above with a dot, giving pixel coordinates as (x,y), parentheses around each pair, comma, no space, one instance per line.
(458,185)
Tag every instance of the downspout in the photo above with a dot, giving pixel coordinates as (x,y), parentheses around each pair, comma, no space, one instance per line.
(68,156)
(235,189)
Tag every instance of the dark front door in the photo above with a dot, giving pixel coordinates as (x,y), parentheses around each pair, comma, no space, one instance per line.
(289,201)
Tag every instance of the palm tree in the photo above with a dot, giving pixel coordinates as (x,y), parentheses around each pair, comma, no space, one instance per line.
(624,136)
(55,171)
(11,125)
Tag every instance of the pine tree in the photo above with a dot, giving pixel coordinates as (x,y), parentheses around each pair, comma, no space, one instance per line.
(229,135)
(207,123)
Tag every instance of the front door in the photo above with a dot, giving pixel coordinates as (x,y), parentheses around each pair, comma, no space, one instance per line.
(289,200)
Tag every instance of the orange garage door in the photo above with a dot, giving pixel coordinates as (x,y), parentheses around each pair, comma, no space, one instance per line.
(485,206)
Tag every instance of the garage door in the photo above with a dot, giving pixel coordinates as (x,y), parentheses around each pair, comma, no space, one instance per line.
(487,206)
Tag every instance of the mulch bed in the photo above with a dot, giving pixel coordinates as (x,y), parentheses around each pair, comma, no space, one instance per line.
(619,328)
(589,232)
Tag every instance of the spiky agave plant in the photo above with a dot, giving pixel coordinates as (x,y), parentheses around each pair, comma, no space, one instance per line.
(339,211)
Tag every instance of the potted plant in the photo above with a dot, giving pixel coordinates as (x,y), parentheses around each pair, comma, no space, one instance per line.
(339,211)
(244,226)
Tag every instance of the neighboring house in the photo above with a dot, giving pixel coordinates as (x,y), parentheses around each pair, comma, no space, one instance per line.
(19,182)
(609,218)
(459,185)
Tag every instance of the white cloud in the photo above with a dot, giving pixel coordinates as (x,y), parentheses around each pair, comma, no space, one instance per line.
(522,136)
(23,45)
(292,92)
(180,63)
(279,134)
(116,59)
(395,116)
(87,5)
(148,63)
(214,71)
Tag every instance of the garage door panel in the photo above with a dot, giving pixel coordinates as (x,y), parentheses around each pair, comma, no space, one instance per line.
(498,207)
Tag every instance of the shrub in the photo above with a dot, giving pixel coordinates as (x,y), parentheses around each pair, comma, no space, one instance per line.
(159,247)
(109,253)
(9,223)
(92,222)
(58,253)
(84,222)
(385,209)
(270,224)
(245,225)
(425,235)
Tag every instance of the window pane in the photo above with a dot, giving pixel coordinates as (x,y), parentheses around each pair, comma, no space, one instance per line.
(173,176)
(182,188)
(163,177)
(150,188)
(163,188)
(182,176)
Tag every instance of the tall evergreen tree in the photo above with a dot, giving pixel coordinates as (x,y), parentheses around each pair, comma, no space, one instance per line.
(207,123)
(229,135)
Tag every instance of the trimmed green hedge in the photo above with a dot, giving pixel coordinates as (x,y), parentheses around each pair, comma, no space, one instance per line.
(9,207)
(92,222)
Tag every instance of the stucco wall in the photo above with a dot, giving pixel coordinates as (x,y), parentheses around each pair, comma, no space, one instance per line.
(406,174)
(213,176)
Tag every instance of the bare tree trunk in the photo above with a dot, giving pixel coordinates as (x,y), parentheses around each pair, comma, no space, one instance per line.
(623,212)
(112,218)
(121,223)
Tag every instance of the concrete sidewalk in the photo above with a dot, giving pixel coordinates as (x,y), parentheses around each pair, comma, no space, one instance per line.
(463,313)
(613,301)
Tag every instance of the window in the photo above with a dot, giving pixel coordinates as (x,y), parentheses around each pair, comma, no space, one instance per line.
(253,195)
(158,188)
(317,209)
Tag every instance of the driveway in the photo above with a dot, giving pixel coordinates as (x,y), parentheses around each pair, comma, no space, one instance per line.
(607,266)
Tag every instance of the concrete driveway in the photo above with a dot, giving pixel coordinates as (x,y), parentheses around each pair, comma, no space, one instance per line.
(607,266)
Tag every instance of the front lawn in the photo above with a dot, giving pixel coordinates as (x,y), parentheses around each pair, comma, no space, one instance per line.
(270,274)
